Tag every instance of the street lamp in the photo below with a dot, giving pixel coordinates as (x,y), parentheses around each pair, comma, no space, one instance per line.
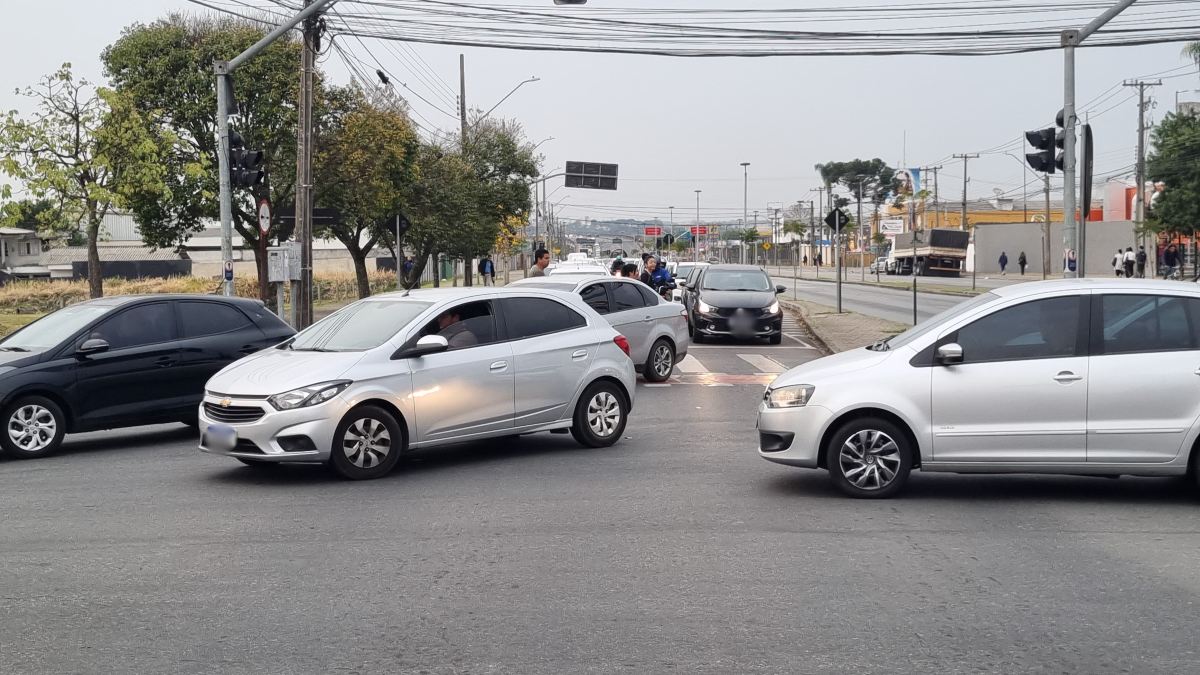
(672,210)
(696,236)
(539,143)
(514,90)
(745,198)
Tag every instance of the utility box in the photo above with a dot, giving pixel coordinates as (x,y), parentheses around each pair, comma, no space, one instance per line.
(283,263)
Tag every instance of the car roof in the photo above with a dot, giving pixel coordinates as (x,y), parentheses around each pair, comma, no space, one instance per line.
(121,300)
(734,267)
(1106,285)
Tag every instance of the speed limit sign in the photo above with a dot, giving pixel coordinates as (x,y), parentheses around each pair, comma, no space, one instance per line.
(264,216)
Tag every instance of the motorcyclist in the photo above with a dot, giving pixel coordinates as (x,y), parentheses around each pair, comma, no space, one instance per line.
(656,277)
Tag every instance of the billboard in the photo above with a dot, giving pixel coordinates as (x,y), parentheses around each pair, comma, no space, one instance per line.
(891,226)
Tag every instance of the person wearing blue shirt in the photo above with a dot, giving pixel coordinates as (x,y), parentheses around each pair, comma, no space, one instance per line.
(656,277)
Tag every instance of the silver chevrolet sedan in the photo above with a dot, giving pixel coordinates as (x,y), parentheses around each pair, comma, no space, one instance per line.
(398,372)
(657,329)
(1030,378)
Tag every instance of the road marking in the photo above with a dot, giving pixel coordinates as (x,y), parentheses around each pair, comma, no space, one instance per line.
(655,385)
(690,364)
(763,364)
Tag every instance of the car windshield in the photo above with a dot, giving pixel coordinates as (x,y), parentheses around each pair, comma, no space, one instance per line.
(684,270)
(936,320)
(52,329)
(358,327)
(736,280)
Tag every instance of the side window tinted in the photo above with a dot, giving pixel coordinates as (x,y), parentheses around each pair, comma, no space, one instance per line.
(596,297)
(467,325)
(141,325)
(197,319)
(1145,323)
(626,297)
(1040,329)
(527,317)
(647,295)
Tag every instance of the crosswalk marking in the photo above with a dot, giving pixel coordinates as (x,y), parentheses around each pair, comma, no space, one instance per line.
(763,364)
(690,364)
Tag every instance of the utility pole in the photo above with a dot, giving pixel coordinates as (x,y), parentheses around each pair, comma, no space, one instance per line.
(937,211)
(462,118)
(1046,229)
(1139,213)
(302,298)
(672,210)
(974,247)
(861,249)
(1070,39)
(696,237)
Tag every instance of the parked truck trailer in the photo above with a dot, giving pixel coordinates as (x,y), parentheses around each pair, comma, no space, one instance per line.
(939,252)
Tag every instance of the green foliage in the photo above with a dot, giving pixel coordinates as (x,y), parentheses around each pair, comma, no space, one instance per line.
(504,164)
(40,215)
(748,235)
(165,68)
(1173,161)
(874,176)
(84,149)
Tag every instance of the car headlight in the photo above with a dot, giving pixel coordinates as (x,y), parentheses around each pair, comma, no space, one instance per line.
(306,396)
(704,306)
(793,396)
(774,308)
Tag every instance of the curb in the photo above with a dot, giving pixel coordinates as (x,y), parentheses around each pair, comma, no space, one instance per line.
(797,310)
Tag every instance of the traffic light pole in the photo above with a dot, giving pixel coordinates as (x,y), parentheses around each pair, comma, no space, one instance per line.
(223,70)
(1070,40)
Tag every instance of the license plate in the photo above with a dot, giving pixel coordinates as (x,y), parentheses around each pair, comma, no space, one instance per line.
(220,437)
(740,325)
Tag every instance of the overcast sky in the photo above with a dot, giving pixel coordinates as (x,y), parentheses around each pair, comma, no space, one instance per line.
(677,125)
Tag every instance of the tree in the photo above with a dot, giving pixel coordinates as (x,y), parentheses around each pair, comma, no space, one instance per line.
(874,176)
(1173,161)
(42,216)
(86,149)
(165,68)
(364,167)
(441,198)
(1192,51)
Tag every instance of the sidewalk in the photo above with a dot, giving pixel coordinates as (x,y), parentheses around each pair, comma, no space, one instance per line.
(841,332)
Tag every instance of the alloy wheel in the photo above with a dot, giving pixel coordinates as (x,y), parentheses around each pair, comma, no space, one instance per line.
(662,361)
(32,428)
(367,443)
(870,459)
(603,414)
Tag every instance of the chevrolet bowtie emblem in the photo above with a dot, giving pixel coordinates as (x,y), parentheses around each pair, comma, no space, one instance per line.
(225,403)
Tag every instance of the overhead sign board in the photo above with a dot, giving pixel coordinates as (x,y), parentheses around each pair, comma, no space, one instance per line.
(592,175)
(652,231)
(698,230)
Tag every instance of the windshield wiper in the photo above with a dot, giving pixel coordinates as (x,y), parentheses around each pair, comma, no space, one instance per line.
(13,349)
(311,349)
(881,345)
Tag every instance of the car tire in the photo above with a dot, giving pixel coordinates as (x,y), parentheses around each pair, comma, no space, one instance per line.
(367,444)
(661,358)
(600,415)
(869,458)
(34,427)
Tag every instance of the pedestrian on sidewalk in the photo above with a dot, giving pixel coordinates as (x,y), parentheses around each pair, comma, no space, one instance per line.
(817,260)
(1022,262)
(487,270)
(1170,260)
(1130,259)
(805,263)
(1003,262)
(1141,262)
(541,260)
(1118,262)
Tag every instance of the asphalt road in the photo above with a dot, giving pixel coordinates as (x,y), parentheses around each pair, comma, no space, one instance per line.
(885,303)
(678,550)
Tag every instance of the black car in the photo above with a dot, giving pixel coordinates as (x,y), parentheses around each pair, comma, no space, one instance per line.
(121,362)
(735,301)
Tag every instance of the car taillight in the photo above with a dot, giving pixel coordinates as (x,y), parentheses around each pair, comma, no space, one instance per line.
(623,343)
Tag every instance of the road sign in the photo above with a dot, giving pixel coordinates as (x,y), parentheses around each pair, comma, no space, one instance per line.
(837,219)
(766,246)
(228,270)
(591,175)
(652,231)
(264,216)
(698,230)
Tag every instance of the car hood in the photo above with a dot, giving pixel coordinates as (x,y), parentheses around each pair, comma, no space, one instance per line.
(18,359)
(735,299)
(274,371)
(833,366)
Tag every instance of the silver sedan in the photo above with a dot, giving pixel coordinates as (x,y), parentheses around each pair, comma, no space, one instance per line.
(657,329)
(425,368)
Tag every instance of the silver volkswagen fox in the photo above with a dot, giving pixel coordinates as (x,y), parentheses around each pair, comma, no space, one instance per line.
(397,372)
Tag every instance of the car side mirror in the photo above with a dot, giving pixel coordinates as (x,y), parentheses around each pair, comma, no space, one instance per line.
(780,289)
(430,344)
(92,346)
(681,284)
(950,354)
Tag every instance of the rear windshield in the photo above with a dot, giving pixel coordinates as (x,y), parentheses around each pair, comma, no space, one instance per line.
(358,327)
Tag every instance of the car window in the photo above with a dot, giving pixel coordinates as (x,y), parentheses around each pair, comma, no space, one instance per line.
(54,328)
(137,326)
(467,325)
(596,297)
(527,317)
(938,320)
(197,319)
(627,297)
(684,270)
(1040,329)
(647,294)
(736,280)
(1145,323)
(358,327)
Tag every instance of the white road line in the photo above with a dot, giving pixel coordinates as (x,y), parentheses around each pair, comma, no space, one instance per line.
(690,364)
(763,364)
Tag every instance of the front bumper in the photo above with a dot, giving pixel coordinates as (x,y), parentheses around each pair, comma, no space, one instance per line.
(726,326)
(260,440)
(792,436)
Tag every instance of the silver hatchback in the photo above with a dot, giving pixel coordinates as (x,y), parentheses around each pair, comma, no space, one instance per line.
(397,372)
(1098,377)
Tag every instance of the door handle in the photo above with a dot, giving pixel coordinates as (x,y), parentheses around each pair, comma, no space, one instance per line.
(579,354)
(163,362)
(1067,376)
(498,366)
(648,318)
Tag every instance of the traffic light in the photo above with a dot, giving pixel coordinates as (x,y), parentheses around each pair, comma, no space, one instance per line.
(1045,140)
(245,166)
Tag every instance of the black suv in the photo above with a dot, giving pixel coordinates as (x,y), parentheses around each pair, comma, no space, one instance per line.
(121,362)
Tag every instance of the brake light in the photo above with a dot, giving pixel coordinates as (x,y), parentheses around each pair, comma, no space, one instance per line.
(623,343)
